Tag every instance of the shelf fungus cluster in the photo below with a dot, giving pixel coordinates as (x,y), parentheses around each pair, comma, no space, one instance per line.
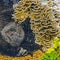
(43,19)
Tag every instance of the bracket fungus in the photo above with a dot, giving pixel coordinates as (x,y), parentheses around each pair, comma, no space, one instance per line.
(42,20)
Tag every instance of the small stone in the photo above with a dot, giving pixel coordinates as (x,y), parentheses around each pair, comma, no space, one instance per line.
(22,52)
(13,34)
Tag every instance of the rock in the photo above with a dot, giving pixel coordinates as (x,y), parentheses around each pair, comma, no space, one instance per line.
(13,34)
(22,52)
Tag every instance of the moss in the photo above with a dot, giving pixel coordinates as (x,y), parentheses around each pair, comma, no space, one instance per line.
(54,52)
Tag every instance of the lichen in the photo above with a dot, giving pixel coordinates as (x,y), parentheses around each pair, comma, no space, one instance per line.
(42,20)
